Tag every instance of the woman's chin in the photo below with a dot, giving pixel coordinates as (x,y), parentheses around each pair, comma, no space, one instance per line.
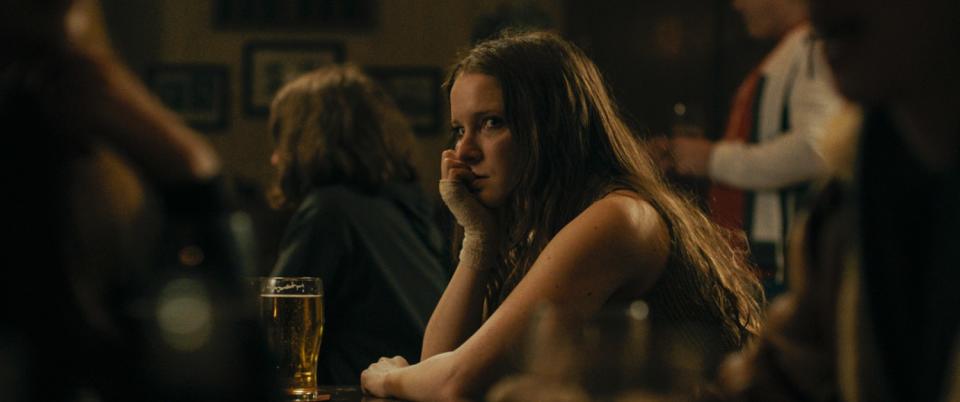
(489,201)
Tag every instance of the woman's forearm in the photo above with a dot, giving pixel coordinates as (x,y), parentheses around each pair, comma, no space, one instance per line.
(424,381)
(458,314)
(448,376)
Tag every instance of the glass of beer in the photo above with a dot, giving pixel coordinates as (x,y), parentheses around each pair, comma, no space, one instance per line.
(291,310)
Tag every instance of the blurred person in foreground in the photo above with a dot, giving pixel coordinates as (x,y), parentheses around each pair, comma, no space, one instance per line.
(771,149)
(874,315)
(101,179)
(560,204)
(362,224)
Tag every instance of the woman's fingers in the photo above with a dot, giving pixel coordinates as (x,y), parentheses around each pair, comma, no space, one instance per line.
(389,361)
(452,168)
(448,159)
(461,174)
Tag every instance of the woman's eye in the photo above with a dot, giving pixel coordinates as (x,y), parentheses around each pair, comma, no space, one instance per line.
(492,123)
(456,133)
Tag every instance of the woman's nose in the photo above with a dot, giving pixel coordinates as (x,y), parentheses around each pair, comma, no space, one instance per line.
(467,150)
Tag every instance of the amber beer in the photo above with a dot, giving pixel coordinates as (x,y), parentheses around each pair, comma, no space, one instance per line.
(292,313)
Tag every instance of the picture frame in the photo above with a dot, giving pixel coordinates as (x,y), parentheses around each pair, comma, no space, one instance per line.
(296,15)
(416,91)
(199,93)
(267,66)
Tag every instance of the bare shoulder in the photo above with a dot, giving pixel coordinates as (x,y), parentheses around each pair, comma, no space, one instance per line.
(647,234)
(628,213)
(623,232)
(625,221)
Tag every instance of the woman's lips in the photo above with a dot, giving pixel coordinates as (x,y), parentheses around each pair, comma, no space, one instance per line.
(475,183)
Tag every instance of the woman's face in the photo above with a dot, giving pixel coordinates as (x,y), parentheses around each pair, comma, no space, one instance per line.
(484,141)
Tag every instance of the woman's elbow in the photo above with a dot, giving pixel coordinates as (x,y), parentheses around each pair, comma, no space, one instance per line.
(429,351)
(460,378)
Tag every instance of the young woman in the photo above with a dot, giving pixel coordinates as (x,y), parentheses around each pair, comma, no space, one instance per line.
(559,203)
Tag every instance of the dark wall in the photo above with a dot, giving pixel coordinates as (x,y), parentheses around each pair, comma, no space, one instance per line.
(135,29)
(656,53)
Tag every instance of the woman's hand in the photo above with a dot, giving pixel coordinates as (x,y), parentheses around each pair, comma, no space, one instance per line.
(373,380)
(479,226)
(691,156)
(463,204)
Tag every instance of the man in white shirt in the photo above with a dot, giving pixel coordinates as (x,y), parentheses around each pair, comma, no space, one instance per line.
(770,148)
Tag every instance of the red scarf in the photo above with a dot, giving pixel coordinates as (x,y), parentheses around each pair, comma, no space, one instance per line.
(728,204)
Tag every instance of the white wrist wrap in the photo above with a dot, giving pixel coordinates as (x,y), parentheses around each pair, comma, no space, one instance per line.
(476,250)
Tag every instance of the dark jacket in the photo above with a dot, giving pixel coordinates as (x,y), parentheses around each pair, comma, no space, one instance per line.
(379,256)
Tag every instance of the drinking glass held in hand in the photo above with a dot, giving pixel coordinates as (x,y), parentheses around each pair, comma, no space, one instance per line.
(292,313)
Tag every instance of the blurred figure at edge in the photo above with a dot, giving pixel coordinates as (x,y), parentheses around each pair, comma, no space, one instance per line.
(874,315)
(103,183)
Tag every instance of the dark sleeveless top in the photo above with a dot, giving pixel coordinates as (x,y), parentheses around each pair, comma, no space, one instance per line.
(680,317)
(682,321)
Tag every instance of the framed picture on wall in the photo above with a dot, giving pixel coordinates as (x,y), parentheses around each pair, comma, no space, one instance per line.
(197,92)
(416,90)
(313,15)
(267,66)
